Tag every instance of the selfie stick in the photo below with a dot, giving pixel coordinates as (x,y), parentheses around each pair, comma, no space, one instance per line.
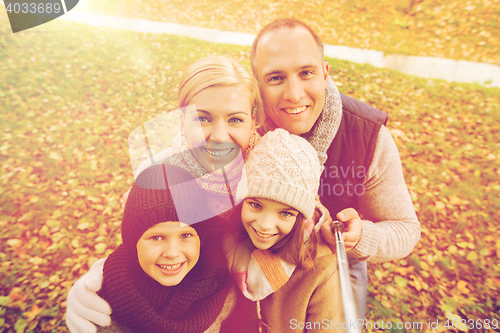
(350,312)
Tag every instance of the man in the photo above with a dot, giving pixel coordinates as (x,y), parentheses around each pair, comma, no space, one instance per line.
(362,170)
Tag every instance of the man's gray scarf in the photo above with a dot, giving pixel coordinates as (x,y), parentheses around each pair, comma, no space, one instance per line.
(327,125)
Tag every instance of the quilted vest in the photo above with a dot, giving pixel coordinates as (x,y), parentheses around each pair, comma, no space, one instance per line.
(350,155)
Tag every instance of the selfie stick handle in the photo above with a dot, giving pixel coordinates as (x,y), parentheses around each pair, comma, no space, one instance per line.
(350,312)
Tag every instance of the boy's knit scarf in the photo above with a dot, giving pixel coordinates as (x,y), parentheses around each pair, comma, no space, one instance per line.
(143,305)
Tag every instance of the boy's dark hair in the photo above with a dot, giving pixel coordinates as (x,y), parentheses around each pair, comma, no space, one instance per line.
(161,193)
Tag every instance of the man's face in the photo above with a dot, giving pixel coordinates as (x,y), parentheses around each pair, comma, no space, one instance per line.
(292,78)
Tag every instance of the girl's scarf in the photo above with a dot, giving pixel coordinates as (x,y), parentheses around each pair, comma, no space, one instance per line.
(144,305)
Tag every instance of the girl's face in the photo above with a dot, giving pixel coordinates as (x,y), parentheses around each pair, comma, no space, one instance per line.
(220,126)
(168,251)
(267,221)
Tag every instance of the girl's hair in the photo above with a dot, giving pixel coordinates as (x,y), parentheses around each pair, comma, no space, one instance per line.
(220,71)
(293,248)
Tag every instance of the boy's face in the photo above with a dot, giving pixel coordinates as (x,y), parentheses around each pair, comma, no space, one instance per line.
(168,251)
(267,221)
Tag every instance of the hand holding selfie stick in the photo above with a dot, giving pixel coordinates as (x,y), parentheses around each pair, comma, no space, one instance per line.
(350,312)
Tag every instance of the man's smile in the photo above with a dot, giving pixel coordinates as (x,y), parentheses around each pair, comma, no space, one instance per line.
(296,110)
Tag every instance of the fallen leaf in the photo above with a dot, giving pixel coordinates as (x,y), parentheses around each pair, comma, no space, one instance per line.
(35,310)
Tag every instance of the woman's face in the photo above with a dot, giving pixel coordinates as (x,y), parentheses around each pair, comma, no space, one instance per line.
(220,126)
(168,251)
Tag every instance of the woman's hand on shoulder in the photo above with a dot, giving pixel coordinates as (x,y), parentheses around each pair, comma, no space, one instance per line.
(84,306)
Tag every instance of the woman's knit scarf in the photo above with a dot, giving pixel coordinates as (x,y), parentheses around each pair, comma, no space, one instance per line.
(144,305)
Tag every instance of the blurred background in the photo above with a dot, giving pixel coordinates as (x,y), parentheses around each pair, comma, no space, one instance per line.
(70,95)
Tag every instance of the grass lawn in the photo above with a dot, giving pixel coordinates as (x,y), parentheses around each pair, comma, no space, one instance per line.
(457,29)
(71,95)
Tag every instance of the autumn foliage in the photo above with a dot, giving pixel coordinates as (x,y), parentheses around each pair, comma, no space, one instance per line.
(71,95)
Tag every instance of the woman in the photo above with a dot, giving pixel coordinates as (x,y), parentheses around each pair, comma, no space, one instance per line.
(221,111)
(221,128)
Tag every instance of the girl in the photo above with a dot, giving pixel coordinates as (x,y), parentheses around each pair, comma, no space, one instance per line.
(167,276)
(275,255)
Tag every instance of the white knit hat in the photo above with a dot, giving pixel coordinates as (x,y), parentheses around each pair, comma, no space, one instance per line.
(285,168)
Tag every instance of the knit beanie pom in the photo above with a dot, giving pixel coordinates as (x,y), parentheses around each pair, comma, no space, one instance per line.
(285,168)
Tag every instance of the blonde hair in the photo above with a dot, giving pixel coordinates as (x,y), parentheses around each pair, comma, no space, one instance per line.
(220,71)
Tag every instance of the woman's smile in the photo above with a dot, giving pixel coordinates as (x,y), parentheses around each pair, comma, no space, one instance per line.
(218,152)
